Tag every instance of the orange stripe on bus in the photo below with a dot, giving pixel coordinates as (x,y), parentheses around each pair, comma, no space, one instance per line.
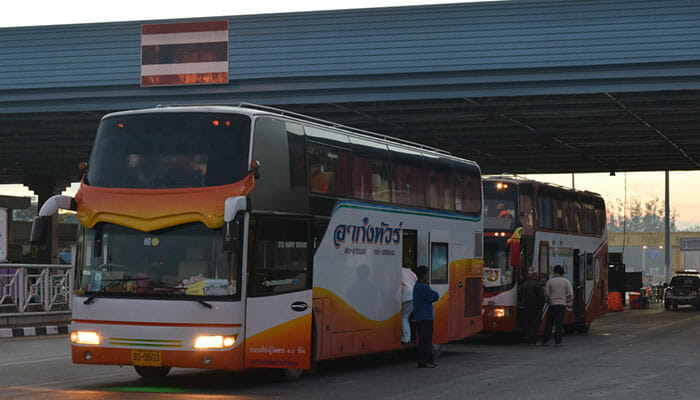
(94,321)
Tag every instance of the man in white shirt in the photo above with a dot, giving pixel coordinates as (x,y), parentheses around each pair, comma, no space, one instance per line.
(408,279)
(558,293)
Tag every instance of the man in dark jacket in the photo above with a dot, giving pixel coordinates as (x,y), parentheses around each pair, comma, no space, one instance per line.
(423,299)
(533,301)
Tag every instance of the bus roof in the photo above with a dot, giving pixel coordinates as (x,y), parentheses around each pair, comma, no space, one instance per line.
(252,110)
(518,180)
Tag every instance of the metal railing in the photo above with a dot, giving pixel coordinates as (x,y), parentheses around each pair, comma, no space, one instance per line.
(35,289)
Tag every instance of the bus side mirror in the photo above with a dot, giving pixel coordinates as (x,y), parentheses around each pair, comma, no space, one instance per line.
(41,225)
(254,166)
(40,228)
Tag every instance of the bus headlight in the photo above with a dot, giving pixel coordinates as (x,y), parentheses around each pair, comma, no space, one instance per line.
(499,312)
(214,342)
(84,337)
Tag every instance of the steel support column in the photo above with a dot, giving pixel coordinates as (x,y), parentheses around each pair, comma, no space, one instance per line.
(667,231)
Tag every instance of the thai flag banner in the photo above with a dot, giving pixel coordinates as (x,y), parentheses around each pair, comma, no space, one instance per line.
(184,53)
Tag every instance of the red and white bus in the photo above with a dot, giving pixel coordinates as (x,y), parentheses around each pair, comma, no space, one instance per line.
(531,227)
(233,237)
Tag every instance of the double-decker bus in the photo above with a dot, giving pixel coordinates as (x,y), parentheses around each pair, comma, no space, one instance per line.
(233,237)
(531,227)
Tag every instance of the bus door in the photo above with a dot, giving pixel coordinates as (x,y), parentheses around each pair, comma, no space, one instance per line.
(279,297)
(439,274)
(579,286)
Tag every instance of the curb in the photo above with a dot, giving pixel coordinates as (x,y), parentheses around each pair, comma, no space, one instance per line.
(6,333)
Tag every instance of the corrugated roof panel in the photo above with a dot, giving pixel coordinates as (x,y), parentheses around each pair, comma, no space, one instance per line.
(465,37)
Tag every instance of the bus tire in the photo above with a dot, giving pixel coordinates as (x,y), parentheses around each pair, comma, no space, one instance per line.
(291,375)
(583,327)
(152,372)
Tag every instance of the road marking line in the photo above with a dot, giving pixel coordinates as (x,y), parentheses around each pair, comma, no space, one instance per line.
(34,361)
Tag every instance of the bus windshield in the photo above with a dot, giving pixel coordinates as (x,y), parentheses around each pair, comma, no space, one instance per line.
(500,206)
(182,261)
(498,274)
(170,150)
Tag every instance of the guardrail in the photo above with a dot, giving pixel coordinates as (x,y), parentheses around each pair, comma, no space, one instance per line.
(35,289)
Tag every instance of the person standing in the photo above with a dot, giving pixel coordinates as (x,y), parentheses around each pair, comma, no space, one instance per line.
(533,301)
(408,280)
(423,299)
(558,293)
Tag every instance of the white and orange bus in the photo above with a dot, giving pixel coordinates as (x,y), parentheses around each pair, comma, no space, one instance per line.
(233,237)
(531,227)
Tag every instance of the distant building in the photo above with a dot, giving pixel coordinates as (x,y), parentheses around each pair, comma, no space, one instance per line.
(644,252)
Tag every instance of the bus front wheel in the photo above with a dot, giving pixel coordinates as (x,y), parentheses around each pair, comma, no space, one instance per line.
(152,372)
(291,375)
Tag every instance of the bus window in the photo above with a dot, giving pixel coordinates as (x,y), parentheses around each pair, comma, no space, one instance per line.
(370,170)
(560,208)
(329,169)
(544,210)
(574,213)
(499,205)
(281,256)
(295,138)
(590,219)
(600,210)
(526,209)
(467,188)
(186,260)
(498,273)
(439,182)
(438,263)
(410,249)
(170,150)
(407,177)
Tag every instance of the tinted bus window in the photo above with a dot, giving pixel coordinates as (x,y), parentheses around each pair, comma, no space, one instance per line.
(297,169)
(370,170)
(590,219)
(500,205)
(439,183)
(467,188)
(600,209)
(170,150)
(526,208)
(408,185)
(281,256)
(574,214)
(544,210)
(560,209)
(329,169)
(438,263)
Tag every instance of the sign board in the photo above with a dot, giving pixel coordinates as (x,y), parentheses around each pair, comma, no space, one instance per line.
(184,53)
(4,240)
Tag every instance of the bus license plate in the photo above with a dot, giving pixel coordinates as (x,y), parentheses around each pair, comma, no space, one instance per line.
(146,358)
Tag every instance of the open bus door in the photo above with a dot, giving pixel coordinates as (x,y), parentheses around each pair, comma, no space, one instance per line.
(279,298)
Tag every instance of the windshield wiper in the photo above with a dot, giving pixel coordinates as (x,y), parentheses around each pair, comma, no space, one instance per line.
(202,302)
(91,298)
(175,289)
